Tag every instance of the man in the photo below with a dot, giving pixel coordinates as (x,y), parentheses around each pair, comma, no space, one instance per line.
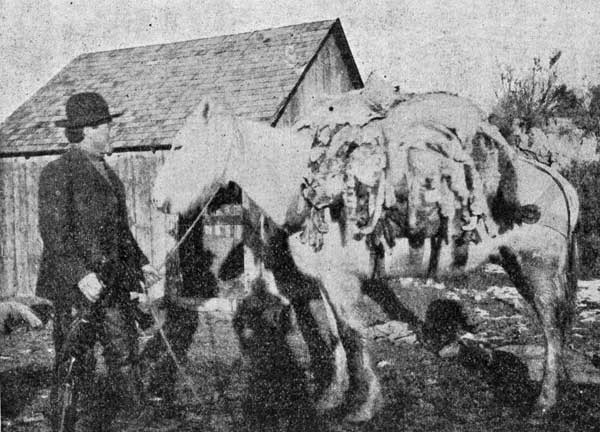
(90,264)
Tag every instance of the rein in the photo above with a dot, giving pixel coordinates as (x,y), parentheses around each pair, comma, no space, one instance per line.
(169,255)
(152,309)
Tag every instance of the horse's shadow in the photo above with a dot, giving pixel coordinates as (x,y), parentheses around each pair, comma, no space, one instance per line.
(505,373)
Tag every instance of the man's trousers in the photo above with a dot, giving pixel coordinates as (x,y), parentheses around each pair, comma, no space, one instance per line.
(75,396)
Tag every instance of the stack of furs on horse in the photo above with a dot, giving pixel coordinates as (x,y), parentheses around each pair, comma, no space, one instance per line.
(440,159)
(375,185)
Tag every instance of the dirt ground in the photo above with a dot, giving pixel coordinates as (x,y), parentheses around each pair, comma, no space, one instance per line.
(422,391)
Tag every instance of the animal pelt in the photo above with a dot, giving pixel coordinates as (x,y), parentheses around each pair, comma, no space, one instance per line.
(416,153)
(14,313)
(278,396)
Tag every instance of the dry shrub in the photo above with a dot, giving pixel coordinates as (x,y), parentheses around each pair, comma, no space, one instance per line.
(585,176)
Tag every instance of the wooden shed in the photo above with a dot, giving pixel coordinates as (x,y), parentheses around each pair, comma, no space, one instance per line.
(267,75)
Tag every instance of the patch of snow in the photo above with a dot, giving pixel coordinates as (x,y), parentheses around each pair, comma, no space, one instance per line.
(479,297)
(394,331)
(493,268)
(384,363)
(450,351)
(522,327)
(394,327)
(589,315)
(409,339)
(481,313)
(589,292)
(588,283)
(450,295)
(505,317)
(470,337)
(431,283)
(218,305)
(508,295)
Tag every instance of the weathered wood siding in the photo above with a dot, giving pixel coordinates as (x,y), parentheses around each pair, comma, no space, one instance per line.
(328,74)
(150,227)
(20,242)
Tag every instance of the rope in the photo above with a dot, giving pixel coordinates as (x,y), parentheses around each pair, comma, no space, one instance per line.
(152,309)
(543,168)
(162,266)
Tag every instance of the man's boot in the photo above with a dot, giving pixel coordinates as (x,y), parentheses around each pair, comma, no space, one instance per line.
(128,388)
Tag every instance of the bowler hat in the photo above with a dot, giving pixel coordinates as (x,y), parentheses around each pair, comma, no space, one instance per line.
(86,109)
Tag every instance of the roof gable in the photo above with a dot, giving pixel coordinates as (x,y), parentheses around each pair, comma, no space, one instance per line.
(158,86)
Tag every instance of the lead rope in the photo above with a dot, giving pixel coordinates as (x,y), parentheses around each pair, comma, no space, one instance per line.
(168,256)
(261,268)
(152,308)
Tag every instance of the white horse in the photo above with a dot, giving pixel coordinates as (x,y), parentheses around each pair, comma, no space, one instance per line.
(269,165)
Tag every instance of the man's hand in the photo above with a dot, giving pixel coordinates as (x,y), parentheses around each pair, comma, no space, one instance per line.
(91,287)
(151,297)
(151,275)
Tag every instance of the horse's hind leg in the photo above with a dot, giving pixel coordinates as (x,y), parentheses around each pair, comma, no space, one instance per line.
(546,302)
(542,282)
(343,292)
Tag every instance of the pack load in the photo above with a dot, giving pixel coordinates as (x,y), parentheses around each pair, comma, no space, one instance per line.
(402,165)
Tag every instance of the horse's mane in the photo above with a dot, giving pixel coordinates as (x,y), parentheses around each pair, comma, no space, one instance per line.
(268,163)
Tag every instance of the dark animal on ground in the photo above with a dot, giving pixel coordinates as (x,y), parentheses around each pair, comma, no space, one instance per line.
(278,396)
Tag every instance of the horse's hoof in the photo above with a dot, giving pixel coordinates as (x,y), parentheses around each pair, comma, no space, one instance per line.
(360,416)
(329,400)
(367,410)
(539,416)
(541,413)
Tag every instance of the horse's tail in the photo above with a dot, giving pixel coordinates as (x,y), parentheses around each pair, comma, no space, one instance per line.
(572,273)
(572,263)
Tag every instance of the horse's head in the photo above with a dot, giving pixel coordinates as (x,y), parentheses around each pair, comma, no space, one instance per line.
(198,161)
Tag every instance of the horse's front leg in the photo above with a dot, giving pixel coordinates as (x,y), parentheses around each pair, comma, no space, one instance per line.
(342,292)
(334,391)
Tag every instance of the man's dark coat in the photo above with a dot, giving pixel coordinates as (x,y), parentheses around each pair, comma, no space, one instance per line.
(84,226)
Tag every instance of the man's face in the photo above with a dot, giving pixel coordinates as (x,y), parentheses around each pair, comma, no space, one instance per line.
(99,138)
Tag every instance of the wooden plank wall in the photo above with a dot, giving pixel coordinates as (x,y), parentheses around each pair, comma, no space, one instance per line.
(150,227)
(327,75)
(20,243)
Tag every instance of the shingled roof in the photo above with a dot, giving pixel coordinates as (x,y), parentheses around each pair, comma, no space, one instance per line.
(158,86)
